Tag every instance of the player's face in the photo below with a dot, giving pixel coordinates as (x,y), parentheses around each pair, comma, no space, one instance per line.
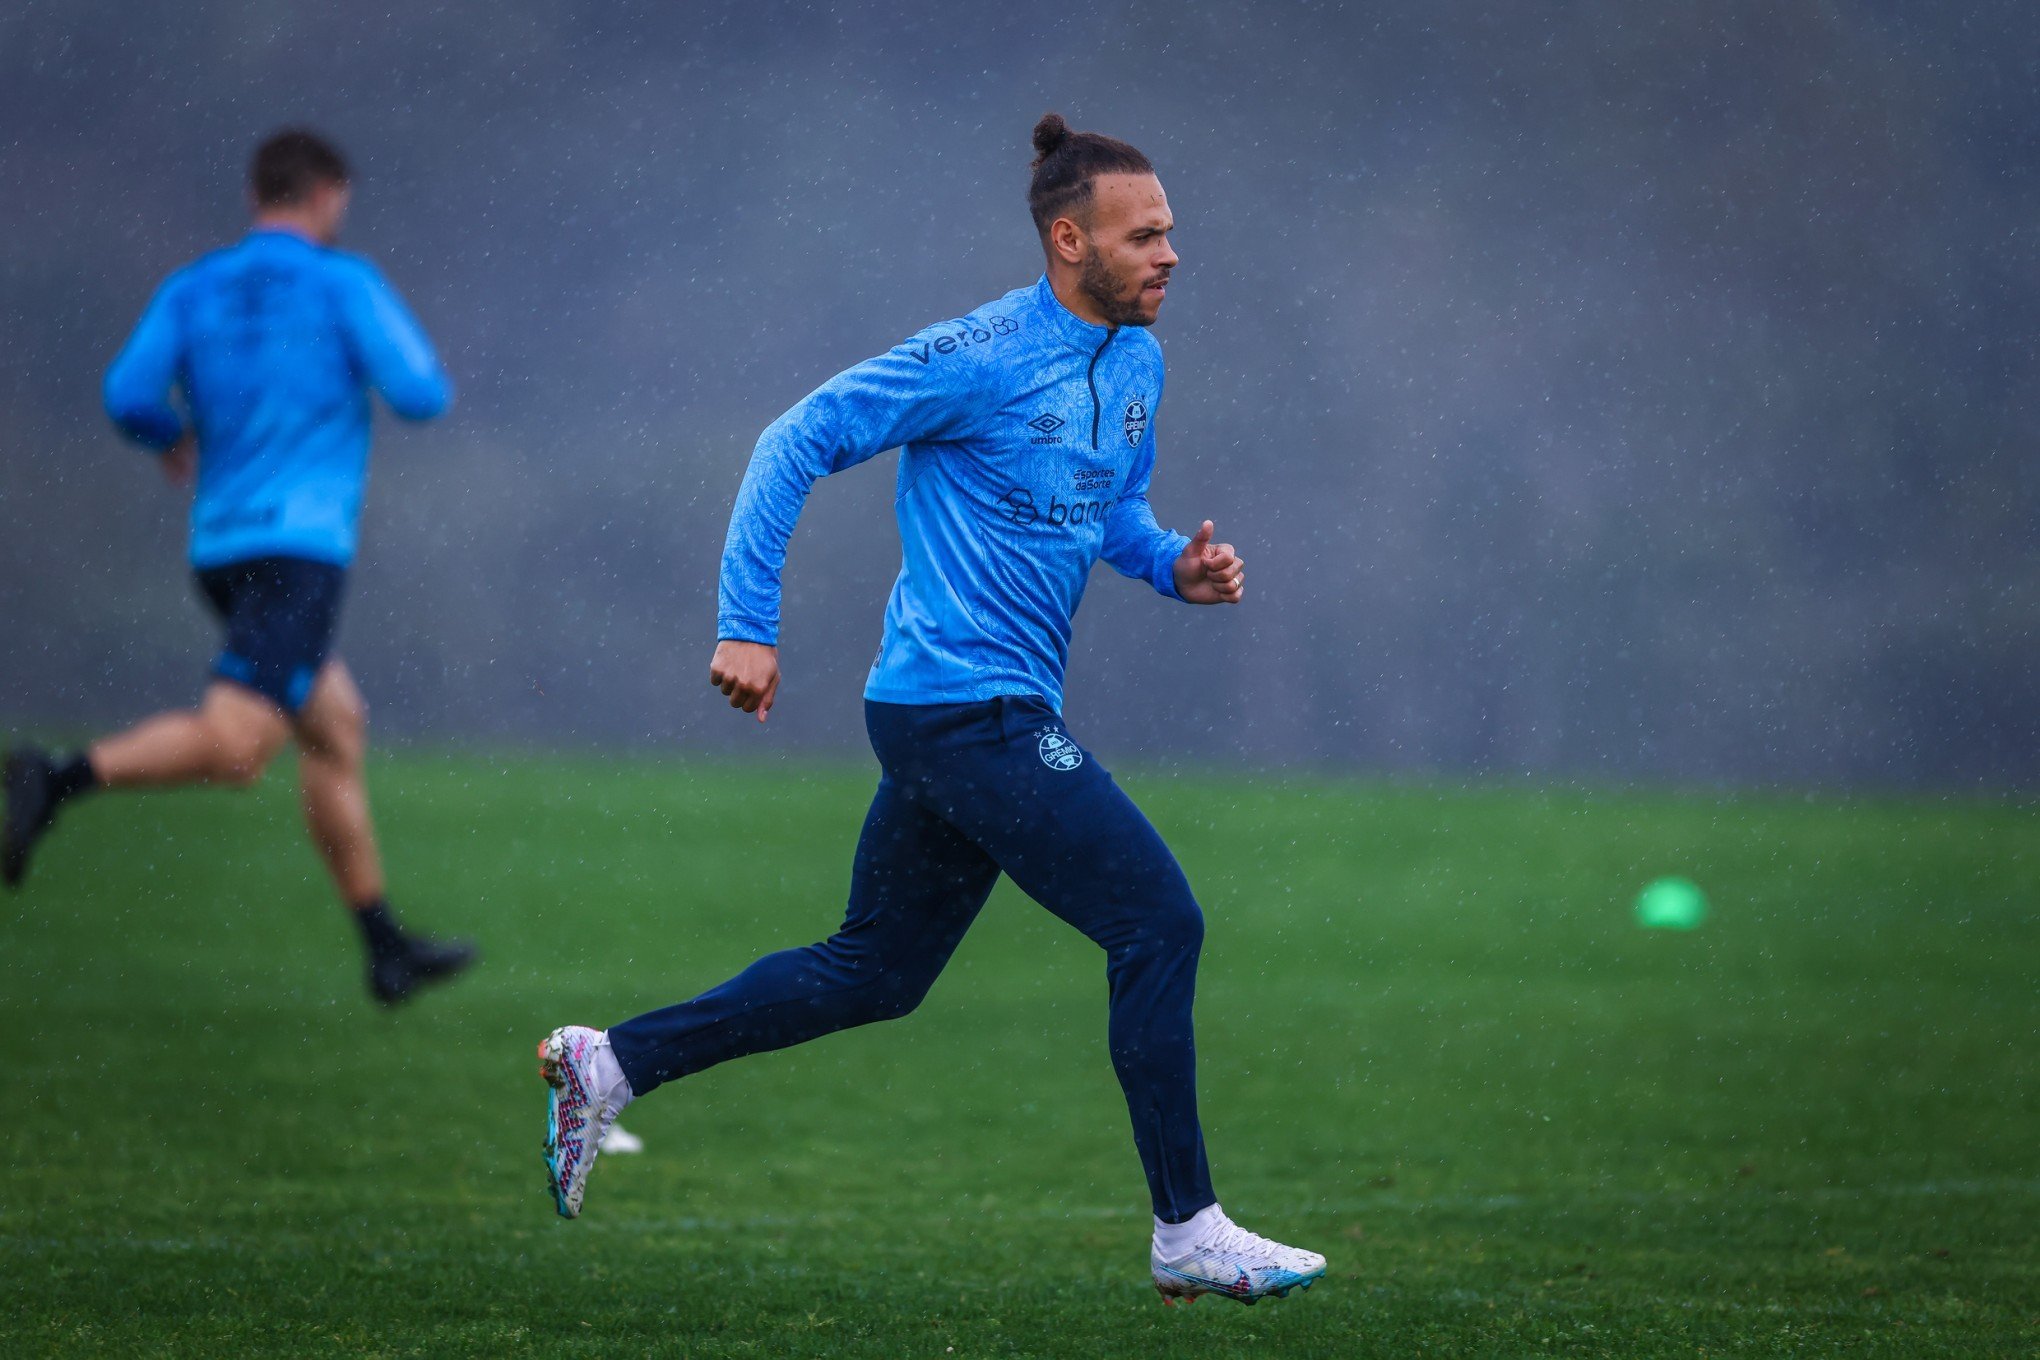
(1128,259)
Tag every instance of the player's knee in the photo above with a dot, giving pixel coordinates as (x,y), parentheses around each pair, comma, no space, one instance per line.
(1178,925)
(337,733)
(239,760)
(349,734)
(241,750)
(350,715)
(897,995)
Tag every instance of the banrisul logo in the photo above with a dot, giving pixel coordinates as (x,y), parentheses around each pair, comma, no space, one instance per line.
(1058,752)
(1136,421)
(1019,507)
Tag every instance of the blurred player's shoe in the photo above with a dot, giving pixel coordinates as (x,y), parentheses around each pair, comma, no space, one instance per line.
(394,976)
(621,1142)
(1211,1254)
(31,807)
(588,1092)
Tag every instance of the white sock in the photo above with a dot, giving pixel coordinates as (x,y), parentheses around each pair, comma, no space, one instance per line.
(1173,1239)
(610,1083)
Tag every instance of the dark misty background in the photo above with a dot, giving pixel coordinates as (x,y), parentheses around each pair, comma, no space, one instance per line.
(1599,390)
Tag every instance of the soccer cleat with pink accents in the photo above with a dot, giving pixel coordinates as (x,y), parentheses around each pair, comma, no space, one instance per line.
(588,1092)
(1227,1259)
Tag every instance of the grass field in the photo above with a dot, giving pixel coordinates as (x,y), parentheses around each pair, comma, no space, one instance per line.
(1434,1045)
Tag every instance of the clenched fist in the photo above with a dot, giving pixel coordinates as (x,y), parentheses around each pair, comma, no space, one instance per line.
(748,672)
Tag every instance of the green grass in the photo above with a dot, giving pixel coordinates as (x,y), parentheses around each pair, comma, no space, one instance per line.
(1434,1046)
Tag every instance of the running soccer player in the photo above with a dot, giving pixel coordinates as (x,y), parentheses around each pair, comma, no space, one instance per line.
(274,343)
(1027,437)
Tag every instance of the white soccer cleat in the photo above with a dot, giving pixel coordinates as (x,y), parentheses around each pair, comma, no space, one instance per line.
(621,1142)
(588,1092)
(1224,1258)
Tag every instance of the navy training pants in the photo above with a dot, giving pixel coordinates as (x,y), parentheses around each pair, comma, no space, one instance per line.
(966,791)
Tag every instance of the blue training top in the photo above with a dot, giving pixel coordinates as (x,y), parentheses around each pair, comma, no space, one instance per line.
(275,342)
(1027,437)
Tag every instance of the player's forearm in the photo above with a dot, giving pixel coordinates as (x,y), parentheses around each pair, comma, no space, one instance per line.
(406,370)
(394,349)
(136,393)
(747,599)
(1138,547)
(151,422)
(418,394)
(782,472)
(136,389)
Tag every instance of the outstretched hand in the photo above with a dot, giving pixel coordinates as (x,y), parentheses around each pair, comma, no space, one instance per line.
(1210,573)
(748,672)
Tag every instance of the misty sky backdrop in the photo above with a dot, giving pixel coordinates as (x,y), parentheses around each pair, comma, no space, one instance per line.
(1597,390)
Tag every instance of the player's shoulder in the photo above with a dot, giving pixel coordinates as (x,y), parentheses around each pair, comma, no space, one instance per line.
(965,345)
(198,272)
(277,250)
(1146,350)
(344,266)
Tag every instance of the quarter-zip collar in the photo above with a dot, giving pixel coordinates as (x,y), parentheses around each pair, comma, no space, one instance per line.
(1081,335)
(1066,324)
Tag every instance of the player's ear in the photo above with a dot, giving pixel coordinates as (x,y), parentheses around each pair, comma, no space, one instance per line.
(1066,240)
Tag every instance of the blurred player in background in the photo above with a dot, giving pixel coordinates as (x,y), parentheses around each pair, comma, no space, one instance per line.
(275,344)
(1028,439)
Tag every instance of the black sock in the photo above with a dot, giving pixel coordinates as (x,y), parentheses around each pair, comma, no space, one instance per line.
(72,778)
(379,929)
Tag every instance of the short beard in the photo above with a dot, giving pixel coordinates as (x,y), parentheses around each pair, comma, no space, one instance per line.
(1097,284)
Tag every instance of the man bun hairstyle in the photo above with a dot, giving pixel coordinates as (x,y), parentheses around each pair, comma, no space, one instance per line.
(1051,132)
(290,164)
(1065,163)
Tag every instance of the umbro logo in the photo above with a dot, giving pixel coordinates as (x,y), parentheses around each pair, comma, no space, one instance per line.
(1045,426)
